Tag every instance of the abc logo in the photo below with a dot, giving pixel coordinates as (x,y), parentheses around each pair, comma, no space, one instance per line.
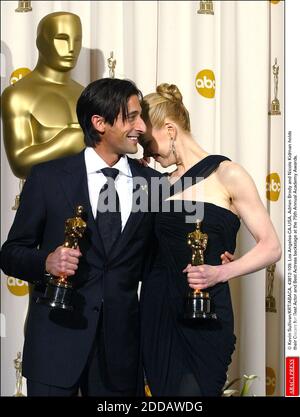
(273,186)
(17,286)
(18,74)
(270,381)
(205,83)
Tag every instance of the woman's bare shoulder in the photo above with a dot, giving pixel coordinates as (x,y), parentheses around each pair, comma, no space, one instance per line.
(234,176)
(230,170)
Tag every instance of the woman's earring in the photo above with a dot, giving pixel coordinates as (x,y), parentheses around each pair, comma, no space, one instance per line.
(173,148)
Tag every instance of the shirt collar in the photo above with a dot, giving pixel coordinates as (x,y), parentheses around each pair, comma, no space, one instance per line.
(94,162)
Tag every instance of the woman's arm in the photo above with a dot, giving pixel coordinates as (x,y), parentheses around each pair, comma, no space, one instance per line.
(245,199)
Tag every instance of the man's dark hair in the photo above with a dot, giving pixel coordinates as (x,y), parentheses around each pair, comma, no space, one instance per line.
(107,98)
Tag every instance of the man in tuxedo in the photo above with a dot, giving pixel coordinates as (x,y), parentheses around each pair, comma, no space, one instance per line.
(95,348)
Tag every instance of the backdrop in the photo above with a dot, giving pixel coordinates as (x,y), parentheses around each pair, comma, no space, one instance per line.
(221,56)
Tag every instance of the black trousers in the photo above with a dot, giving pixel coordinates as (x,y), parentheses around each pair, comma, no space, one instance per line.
(93,382)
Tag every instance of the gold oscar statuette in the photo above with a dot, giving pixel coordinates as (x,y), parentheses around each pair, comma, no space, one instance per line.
(59,290)
(19,377)
(270,299)
(206,7)
(198,303)
(111,65)
(23,6)
(275,105)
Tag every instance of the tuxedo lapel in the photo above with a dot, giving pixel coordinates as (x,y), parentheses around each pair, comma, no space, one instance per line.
(75,186)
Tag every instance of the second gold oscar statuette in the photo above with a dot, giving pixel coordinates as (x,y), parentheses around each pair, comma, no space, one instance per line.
(198,303)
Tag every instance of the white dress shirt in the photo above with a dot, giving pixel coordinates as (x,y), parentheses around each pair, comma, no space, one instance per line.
(96,180)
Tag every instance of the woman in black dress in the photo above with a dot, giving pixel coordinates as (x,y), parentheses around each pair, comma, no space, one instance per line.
(183,357)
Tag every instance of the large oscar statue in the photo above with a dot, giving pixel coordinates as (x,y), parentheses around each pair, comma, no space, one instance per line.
(198,303)
(39,111)
(59,291)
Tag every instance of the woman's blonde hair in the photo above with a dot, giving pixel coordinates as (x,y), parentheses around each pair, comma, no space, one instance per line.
(165,103)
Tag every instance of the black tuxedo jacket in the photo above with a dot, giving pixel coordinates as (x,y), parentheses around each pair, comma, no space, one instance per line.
(57,343)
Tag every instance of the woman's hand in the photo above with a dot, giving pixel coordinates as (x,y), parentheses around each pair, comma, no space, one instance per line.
(202,276)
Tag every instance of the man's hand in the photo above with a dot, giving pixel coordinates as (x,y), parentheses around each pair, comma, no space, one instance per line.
(227,257)
(63,261)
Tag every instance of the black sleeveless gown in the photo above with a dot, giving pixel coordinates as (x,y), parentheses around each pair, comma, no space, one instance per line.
(179,357)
